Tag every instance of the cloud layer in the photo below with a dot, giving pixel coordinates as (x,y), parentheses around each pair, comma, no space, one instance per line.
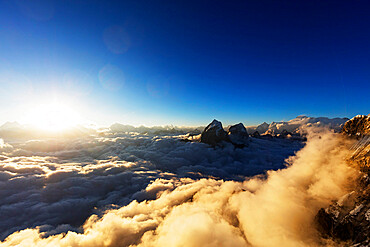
(159,191)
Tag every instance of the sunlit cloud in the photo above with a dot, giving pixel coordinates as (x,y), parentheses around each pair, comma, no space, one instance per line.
(142,203)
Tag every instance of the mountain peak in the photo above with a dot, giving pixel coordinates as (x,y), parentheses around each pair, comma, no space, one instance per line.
(11,125)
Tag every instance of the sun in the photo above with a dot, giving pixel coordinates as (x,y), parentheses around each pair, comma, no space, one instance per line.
(53,116)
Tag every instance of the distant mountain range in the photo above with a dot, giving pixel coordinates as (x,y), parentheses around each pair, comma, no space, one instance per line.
(298,125)
(295,126)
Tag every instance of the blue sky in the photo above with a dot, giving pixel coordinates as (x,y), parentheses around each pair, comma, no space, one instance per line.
(186,62)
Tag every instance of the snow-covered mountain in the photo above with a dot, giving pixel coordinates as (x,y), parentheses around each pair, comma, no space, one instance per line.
(11,126)
(156,130)
(298,125)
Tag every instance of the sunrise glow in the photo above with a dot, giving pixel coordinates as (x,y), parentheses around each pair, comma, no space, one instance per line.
(54,116)
(184,123)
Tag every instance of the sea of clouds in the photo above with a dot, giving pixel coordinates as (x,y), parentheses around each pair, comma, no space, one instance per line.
(121,189)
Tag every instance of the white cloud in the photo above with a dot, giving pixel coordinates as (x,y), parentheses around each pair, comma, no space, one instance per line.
(159,191)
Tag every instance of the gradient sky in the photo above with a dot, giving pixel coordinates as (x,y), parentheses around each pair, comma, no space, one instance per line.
(185,62)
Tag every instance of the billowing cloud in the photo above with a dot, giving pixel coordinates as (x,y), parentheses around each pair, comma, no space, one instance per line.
(159,191)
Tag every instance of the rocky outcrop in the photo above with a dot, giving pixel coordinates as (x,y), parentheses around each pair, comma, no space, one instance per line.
(238,135)
(256,134)
(214,134)
(348,219)
(285,134)
(358,126)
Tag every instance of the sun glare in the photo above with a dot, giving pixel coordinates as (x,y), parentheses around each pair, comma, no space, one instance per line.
(54,116)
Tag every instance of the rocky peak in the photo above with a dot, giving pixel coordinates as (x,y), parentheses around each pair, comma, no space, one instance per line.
(214,133)
(348,219)
(10,126)
(358,126)
(216,125)
(238,129)
(238,135)
(262,128)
